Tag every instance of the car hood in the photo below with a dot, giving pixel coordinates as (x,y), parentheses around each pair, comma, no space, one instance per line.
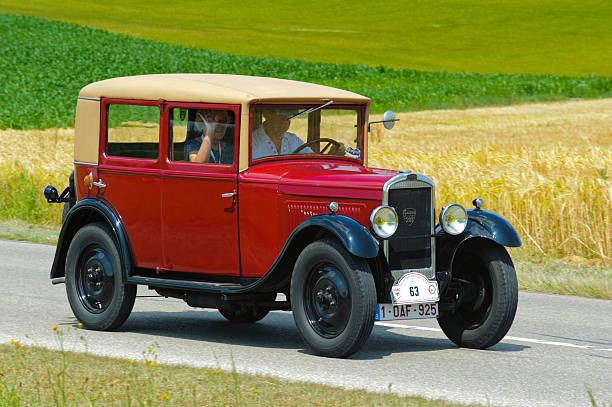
(342,179)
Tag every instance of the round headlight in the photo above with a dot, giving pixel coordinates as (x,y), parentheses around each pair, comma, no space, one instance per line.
(384,221)
(453,218)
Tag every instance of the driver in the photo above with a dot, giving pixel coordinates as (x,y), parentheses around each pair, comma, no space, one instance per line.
(272,137)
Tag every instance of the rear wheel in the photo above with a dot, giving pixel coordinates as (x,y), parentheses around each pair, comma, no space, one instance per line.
(484,290)
(96,292)
(333,299)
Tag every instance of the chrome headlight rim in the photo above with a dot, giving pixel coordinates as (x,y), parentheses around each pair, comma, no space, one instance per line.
(448,228)
(377,229)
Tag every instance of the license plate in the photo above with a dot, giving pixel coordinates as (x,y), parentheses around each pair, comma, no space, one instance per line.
(389,312)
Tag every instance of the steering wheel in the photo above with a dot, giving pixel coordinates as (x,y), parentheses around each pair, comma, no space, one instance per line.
(330,142)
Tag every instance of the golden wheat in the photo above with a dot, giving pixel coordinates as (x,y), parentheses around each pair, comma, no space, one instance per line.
(543,166)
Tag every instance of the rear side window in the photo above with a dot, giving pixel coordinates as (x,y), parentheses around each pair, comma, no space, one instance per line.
(204,136)
(132,131)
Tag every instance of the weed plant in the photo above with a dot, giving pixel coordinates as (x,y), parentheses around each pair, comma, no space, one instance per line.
(44,64)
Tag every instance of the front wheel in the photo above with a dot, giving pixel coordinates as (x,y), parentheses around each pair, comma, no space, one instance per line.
(484,291)
(333,298)
(96,292)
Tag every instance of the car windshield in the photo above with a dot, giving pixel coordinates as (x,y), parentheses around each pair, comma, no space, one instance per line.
(309,130)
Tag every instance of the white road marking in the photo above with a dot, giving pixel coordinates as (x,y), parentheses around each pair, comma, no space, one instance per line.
(509,338)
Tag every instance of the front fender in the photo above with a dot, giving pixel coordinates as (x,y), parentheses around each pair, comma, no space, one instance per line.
(481,224)
(353,235)
(87,211)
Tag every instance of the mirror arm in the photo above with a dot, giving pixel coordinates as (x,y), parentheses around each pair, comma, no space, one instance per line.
(382,121)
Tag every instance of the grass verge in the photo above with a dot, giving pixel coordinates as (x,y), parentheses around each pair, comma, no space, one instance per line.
(571,275)
(68,57)
(28,232)
(37,376)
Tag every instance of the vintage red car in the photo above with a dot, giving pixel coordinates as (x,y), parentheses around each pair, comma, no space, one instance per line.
(226,191)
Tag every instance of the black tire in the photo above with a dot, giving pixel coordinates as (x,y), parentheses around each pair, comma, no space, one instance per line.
(484,277)
(333,298)
(94,283)
(245,314)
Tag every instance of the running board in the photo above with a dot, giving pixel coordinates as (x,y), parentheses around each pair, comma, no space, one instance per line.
(209,286)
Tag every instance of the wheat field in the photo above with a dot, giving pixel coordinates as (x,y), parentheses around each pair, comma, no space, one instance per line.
(542,166)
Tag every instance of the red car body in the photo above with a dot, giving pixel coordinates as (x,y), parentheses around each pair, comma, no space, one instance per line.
(342,241)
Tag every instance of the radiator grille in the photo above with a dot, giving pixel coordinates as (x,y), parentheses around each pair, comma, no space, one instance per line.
(410,247)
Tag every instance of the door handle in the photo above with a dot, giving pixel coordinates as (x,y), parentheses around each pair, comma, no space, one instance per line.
(229,195)
(99,184)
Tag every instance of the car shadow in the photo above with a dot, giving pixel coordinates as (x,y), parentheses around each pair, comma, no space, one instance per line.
(277,330)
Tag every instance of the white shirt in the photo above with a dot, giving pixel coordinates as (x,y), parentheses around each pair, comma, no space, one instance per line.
(263,146)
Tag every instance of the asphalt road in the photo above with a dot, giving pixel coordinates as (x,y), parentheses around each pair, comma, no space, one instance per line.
(557,348)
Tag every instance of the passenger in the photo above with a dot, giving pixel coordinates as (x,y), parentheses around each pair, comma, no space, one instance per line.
(209,147)
(272,137)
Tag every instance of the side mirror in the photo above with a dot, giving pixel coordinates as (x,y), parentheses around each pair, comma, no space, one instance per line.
(388,119)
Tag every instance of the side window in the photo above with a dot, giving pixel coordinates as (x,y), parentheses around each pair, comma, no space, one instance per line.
(132,131)
(204,136)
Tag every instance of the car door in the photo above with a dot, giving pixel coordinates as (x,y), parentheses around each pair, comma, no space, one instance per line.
(199,199)
(129,166)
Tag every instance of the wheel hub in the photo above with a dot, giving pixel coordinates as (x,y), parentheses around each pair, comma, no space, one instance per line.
(95,280)
(327,301)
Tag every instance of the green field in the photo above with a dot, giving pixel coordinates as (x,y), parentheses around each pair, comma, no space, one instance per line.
(560,37)
(44,63)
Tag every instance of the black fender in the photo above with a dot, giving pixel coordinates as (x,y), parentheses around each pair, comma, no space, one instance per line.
(481,224)
(86,211)
(354,236)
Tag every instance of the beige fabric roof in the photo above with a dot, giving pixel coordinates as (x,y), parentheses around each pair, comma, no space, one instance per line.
(216,88)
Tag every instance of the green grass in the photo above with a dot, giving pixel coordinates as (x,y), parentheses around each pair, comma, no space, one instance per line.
(560,37)
(26,232)
(43,65)
(36,376)
(572,275)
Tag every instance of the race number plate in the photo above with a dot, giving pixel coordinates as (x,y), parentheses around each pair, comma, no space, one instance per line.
(388,312)
(414,288)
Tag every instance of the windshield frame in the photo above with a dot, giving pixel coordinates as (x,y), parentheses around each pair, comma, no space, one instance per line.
(360,109)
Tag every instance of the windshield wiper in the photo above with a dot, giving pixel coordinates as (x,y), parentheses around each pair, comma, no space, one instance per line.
(311,109)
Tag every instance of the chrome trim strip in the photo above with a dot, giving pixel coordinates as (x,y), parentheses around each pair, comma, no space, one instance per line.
(83,163)
(407,180)
(86,98)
